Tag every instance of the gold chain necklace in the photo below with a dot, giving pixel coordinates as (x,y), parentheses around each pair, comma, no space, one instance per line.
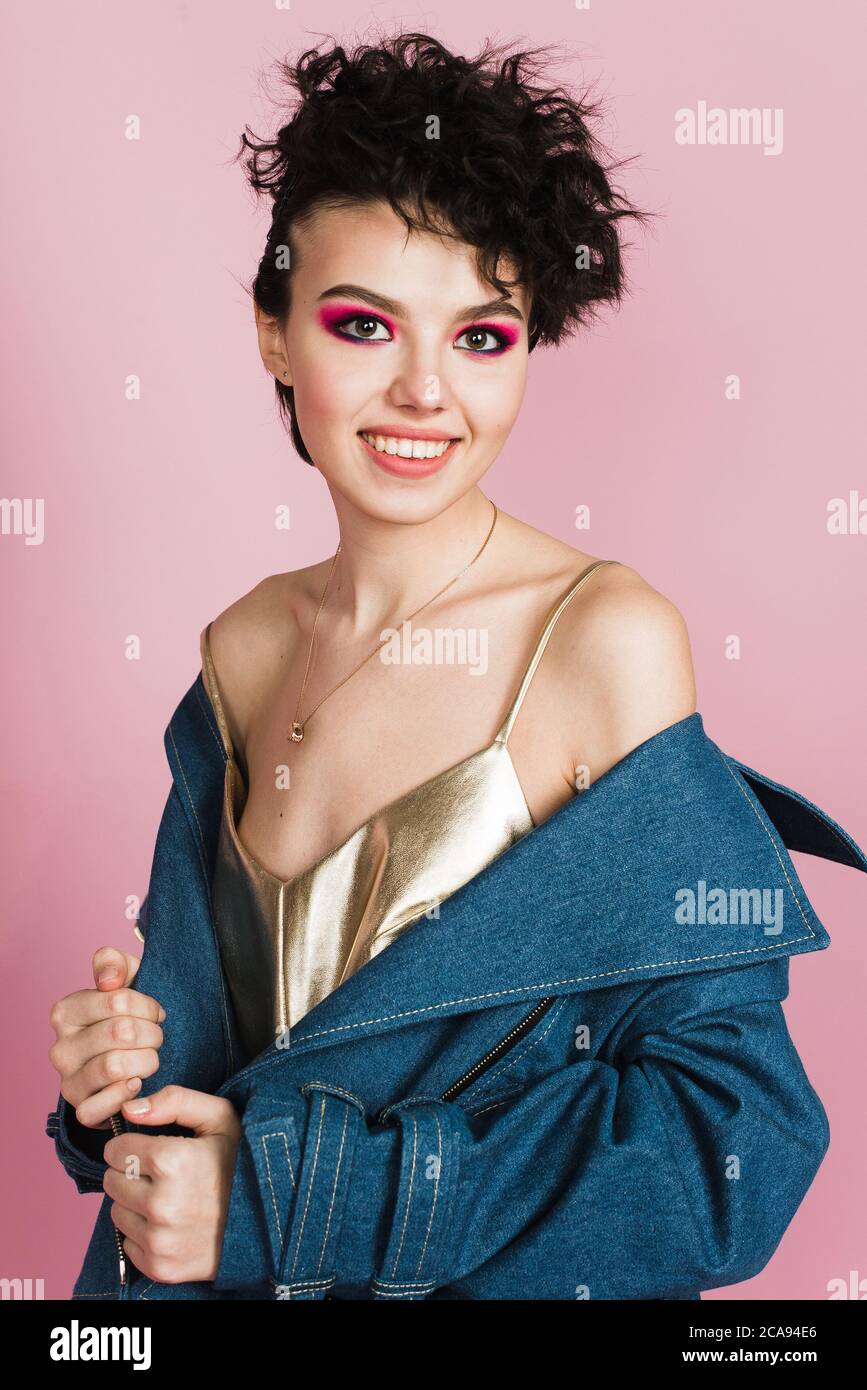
(296,733)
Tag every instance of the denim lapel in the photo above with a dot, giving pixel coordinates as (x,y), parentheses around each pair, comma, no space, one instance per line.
(197,760)
(586,900)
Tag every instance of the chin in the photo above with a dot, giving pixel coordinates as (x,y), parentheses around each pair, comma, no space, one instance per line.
(394,500)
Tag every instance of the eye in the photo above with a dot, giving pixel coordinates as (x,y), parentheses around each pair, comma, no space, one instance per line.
(368,323)
(481,331)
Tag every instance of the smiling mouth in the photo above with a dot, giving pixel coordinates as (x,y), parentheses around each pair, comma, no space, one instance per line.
(397,446)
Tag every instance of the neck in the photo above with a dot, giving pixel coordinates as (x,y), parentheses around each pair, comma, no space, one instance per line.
(386,569)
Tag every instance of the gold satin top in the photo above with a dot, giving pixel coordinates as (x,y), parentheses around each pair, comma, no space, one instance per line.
(285,945)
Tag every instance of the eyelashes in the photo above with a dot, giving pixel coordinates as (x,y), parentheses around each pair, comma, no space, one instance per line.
(336,321)
(505,338)
(340,324)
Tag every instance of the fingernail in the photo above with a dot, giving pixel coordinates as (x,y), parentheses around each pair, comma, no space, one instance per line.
(161,1015)
(110,972)
(137,1107)
(134,1083)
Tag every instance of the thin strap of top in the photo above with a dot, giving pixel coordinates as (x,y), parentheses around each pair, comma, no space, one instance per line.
(506,726)
(216,700)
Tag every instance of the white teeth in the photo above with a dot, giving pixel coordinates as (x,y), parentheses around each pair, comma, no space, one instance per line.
(407,448)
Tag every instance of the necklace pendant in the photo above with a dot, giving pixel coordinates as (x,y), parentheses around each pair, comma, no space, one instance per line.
(297,731)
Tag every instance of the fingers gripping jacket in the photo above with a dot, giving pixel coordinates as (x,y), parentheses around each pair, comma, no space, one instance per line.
(303,1189)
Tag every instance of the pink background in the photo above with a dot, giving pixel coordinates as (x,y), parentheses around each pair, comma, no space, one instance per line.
(127,257)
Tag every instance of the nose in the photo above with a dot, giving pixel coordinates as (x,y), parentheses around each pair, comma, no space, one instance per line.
(421,379)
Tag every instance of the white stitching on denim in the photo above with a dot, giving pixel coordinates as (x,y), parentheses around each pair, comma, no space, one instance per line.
(720,955)
(518,1053)
(823,820)
(190,798)
(523,989)
(268,1062)
(329,1085)
(278,1234)
(309,1185)
(433,1208)
(420,1098)
(603,974)
(307,1285)
(227,1032)
(743,791)
(501,1101)
(288,1157)
(385,1293)
(406,1214)
(333,1189)
(389,1287)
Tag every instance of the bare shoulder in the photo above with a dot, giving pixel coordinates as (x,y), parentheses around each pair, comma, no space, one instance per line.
(624,666)
(249,639)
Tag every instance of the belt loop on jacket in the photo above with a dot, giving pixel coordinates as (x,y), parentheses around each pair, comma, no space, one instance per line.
(414,1262)
(306,1268)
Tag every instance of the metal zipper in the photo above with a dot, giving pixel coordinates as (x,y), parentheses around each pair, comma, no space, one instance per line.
(504,1045)
(499,1050)
(118,1127)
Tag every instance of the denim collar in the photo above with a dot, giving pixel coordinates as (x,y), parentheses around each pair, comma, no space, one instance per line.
(586,900)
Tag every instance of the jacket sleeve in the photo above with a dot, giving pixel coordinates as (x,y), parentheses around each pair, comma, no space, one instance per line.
(79,1148)
(673,1165)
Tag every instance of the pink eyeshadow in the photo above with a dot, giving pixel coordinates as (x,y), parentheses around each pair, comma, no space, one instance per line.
(331,314)
(508,330)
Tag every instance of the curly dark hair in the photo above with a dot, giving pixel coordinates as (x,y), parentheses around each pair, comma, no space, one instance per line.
(508,166)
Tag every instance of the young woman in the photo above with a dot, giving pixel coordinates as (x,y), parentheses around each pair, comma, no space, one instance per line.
(434,219)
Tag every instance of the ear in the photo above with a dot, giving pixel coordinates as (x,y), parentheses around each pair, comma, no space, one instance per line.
(272,346)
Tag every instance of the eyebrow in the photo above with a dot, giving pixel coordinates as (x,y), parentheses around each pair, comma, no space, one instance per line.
(393,306)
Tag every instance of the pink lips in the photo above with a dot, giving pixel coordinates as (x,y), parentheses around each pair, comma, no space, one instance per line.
(408,468)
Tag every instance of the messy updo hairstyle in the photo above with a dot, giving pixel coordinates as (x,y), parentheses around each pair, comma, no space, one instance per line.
(477,149)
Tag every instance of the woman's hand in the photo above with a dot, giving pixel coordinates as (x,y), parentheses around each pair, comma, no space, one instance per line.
(107,1039)
(171,1195)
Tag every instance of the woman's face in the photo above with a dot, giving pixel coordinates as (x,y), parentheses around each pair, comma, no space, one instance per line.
(395,337)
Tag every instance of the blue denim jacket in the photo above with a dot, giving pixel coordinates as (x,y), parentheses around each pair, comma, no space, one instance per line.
(576,1081)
